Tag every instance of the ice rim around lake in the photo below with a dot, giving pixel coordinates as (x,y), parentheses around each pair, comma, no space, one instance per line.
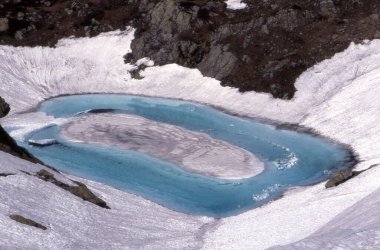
(288,160)
(337,98)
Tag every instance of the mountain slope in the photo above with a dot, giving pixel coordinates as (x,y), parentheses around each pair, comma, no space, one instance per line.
(336,98)
(263,47)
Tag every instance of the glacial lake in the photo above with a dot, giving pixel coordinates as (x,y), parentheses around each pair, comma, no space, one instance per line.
(291,158)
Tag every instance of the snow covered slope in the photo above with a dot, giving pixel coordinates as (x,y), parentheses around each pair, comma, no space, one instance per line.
(76,224)
(337,98)
(358,227)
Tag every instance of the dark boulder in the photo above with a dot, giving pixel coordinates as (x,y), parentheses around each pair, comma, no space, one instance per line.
(345,175)
(4,108)
(5,174)
(25,221)
(80,190)
(339,178)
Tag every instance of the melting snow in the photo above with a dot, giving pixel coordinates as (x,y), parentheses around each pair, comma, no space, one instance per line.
(236,4)
(338,98)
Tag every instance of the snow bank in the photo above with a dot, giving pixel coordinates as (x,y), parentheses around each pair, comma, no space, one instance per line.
(235,4)
(338,98)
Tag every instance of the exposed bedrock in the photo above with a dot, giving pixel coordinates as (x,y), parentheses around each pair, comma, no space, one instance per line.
(263,47)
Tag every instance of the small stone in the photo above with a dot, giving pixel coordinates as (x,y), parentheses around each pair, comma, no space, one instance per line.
(20,15)
(69,11)
(4,24)
(264,29)
(327,8)
(375,16)
(274,6)
(226,47)
(19,35)
(246,59)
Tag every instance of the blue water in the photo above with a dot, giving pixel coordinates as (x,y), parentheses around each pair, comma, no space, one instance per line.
(169,185)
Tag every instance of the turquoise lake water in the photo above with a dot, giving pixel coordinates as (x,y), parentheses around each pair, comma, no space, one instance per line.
(291,158)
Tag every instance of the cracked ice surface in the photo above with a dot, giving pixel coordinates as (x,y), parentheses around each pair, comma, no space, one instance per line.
(194,151)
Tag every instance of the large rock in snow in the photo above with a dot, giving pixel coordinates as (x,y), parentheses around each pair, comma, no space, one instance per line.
(4,107)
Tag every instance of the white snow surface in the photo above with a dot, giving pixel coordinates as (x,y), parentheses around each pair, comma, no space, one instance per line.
(131,223)
(358,227)
(338,98)
(235,4)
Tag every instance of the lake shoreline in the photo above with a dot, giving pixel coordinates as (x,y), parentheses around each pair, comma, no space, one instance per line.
(353,160)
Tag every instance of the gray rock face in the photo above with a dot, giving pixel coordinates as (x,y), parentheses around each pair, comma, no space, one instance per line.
(170,33)
(173,36)
(264,47)
(218,63)
(290,19)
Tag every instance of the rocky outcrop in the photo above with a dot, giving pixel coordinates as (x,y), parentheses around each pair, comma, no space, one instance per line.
(339,177)
(5,174)
(263,47)
(25,221)
(4,108)
(345,175)
(80,190)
